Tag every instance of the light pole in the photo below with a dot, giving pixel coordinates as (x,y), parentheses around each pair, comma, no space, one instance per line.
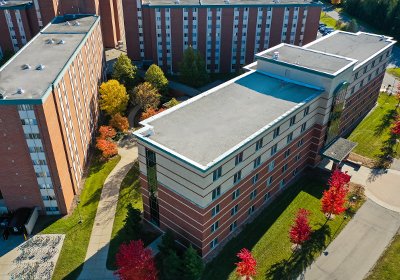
(79,212)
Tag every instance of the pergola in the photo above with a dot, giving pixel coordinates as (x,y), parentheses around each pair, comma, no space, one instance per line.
(338,151)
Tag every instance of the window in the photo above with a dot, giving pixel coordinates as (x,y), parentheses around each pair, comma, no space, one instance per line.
(267,196)
(269,181)
(306,111)
(32,135)
(215,210)
(289,138)
(25,107)
(282,183)
(233,226)
(303,127)
(50,209)
(287,153)
(259,144)
(214,226)
(365,69)
(239,158)
(356,76)
(300,143)
(276,132)
(274,149)
(292,120)
(217,173)
(257,162)
(284,168)
(237,176)
(252,209)
(234,209)
(271,166)
(235,194)
(295,171)
(216,192)
(361,83)
(29,121)
(255,179)
(214,243)
(253,194)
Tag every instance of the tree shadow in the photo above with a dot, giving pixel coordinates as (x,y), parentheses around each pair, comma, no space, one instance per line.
(300,259)
(386,121)
(384,158)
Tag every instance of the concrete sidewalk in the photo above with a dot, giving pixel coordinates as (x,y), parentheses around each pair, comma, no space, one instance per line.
(96,255)
(354,252)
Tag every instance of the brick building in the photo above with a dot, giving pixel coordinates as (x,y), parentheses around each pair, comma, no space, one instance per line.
(211,163)
(20,20)
(48,114)
(227,33)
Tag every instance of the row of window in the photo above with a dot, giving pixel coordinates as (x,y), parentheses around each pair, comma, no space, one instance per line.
(365,69)
(29,121)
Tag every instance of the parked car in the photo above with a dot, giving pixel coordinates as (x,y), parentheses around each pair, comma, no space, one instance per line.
(322,29)
(322,25)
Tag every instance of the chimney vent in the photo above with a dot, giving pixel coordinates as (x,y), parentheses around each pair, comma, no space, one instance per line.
(276,55)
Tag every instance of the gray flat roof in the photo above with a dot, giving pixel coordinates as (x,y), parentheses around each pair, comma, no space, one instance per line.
(301,57)
(339,150)
(208,126)
(14,4)
(231,2)
(358,46)
(44,49)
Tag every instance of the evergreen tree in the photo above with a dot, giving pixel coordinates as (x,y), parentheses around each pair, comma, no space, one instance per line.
(352,26)
(171,266)
(167,244)
(193,68)
(192,265)
(124,71)
(133,222)
(155,76)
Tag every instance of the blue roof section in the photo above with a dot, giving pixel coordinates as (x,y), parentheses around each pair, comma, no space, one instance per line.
(15,4)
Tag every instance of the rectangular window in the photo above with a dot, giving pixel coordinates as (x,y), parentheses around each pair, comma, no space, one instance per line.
(235,194)
(292,120)
(287,153)
(214,226)
(303,127)
(289,138)
(306,111)
(252,209)
(215,210)
(300,143)
(284,168)
(276,132)
(217,173)
(216,192)
(295,171)
(255,178)
(271,166)
(214,243)
(233,226)
(257,162)
(269,181)
(282,183)
(234,209)
(253,194)
(274,149)
(267,196)
(259,144)
(239,158)
(237,176)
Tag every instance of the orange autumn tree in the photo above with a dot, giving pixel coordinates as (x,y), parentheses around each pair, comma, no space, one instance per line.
(104,142)
(119,122)
(106,132)
(149,113)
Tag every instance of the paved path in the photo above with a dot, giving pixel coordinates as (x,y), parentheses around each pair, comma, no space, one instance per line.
(354,252)
(96,255)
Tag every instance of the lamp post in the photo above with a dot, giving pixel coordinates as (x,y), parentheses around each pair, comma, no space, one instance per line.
(79,212)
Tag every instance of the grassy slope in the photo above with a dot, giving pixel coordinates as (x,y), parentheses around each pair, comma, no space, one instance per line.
(267,236)
(77,237)
(388,266)
(329,21)
(394,71)
(374,130)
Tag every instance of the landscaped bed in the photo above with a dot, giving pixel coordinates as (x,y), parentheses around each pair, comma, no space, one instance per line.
(394,71)
(77,235)
(373,133)
(268,239)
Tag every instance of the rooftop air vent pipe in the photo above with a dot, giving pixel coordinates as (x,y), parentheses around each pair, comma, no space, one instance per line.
(26,67)
(275,56)
(40,67)
(20,91)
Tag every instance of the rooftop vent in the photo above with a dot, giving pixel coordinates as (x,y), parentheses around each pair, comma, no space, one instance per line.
(275,56)
(20,91)
(226,1)
(50,41)
(61,42)
(177,1)
(67,23)
(26,67)
(40,67)
(77,23)
(2,3)
(2,96)
(382,38)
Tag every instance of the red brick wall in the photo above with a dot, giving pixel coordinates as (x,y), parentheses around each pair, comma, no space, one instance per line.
(311,28)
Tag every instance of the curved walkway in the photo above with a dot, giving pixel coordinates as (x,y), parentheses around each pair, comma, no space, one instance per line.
(96,256)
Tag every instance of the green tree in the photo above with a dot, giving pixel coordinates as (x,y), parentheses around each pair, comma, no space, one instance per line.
(155,76)
(173,102)
(171,266)
(124,71)
(133,222)
(193,68)
(113,97)
(167,244)
(6,56)
(192,264)
(146,96)
(352,26)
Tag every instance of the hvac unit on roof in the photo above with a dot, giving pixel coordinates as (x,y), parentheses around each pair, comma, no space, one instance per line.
(275,56)
(61,42)
(2,3)
(226,1)
(177,1)
(26,67)
(20,91)
(67,23)
(77,23)
(50,41)
(40,67)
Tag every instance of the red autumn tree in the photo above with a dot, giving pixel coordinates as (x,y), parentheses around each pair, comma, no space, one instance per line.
(119,122)
(334,198)
(135,262)
(107,148)
(398,95)
(396,127)
(247,265)
(301,229)
(106,132)
(150,112)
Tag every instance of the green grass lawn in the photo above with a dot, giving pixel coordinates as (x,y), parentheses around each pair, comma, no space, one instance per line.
(129,193)
(329,21)
(388,266)
(267,236)
(77,236)
(394,71)
(374,131)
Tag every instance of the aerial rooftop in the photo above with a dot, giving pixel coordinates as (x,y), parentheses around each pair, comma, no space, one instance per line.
(15,4)
(359,46)
(30,73)
(307,58)
(227,2)
(206,127)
